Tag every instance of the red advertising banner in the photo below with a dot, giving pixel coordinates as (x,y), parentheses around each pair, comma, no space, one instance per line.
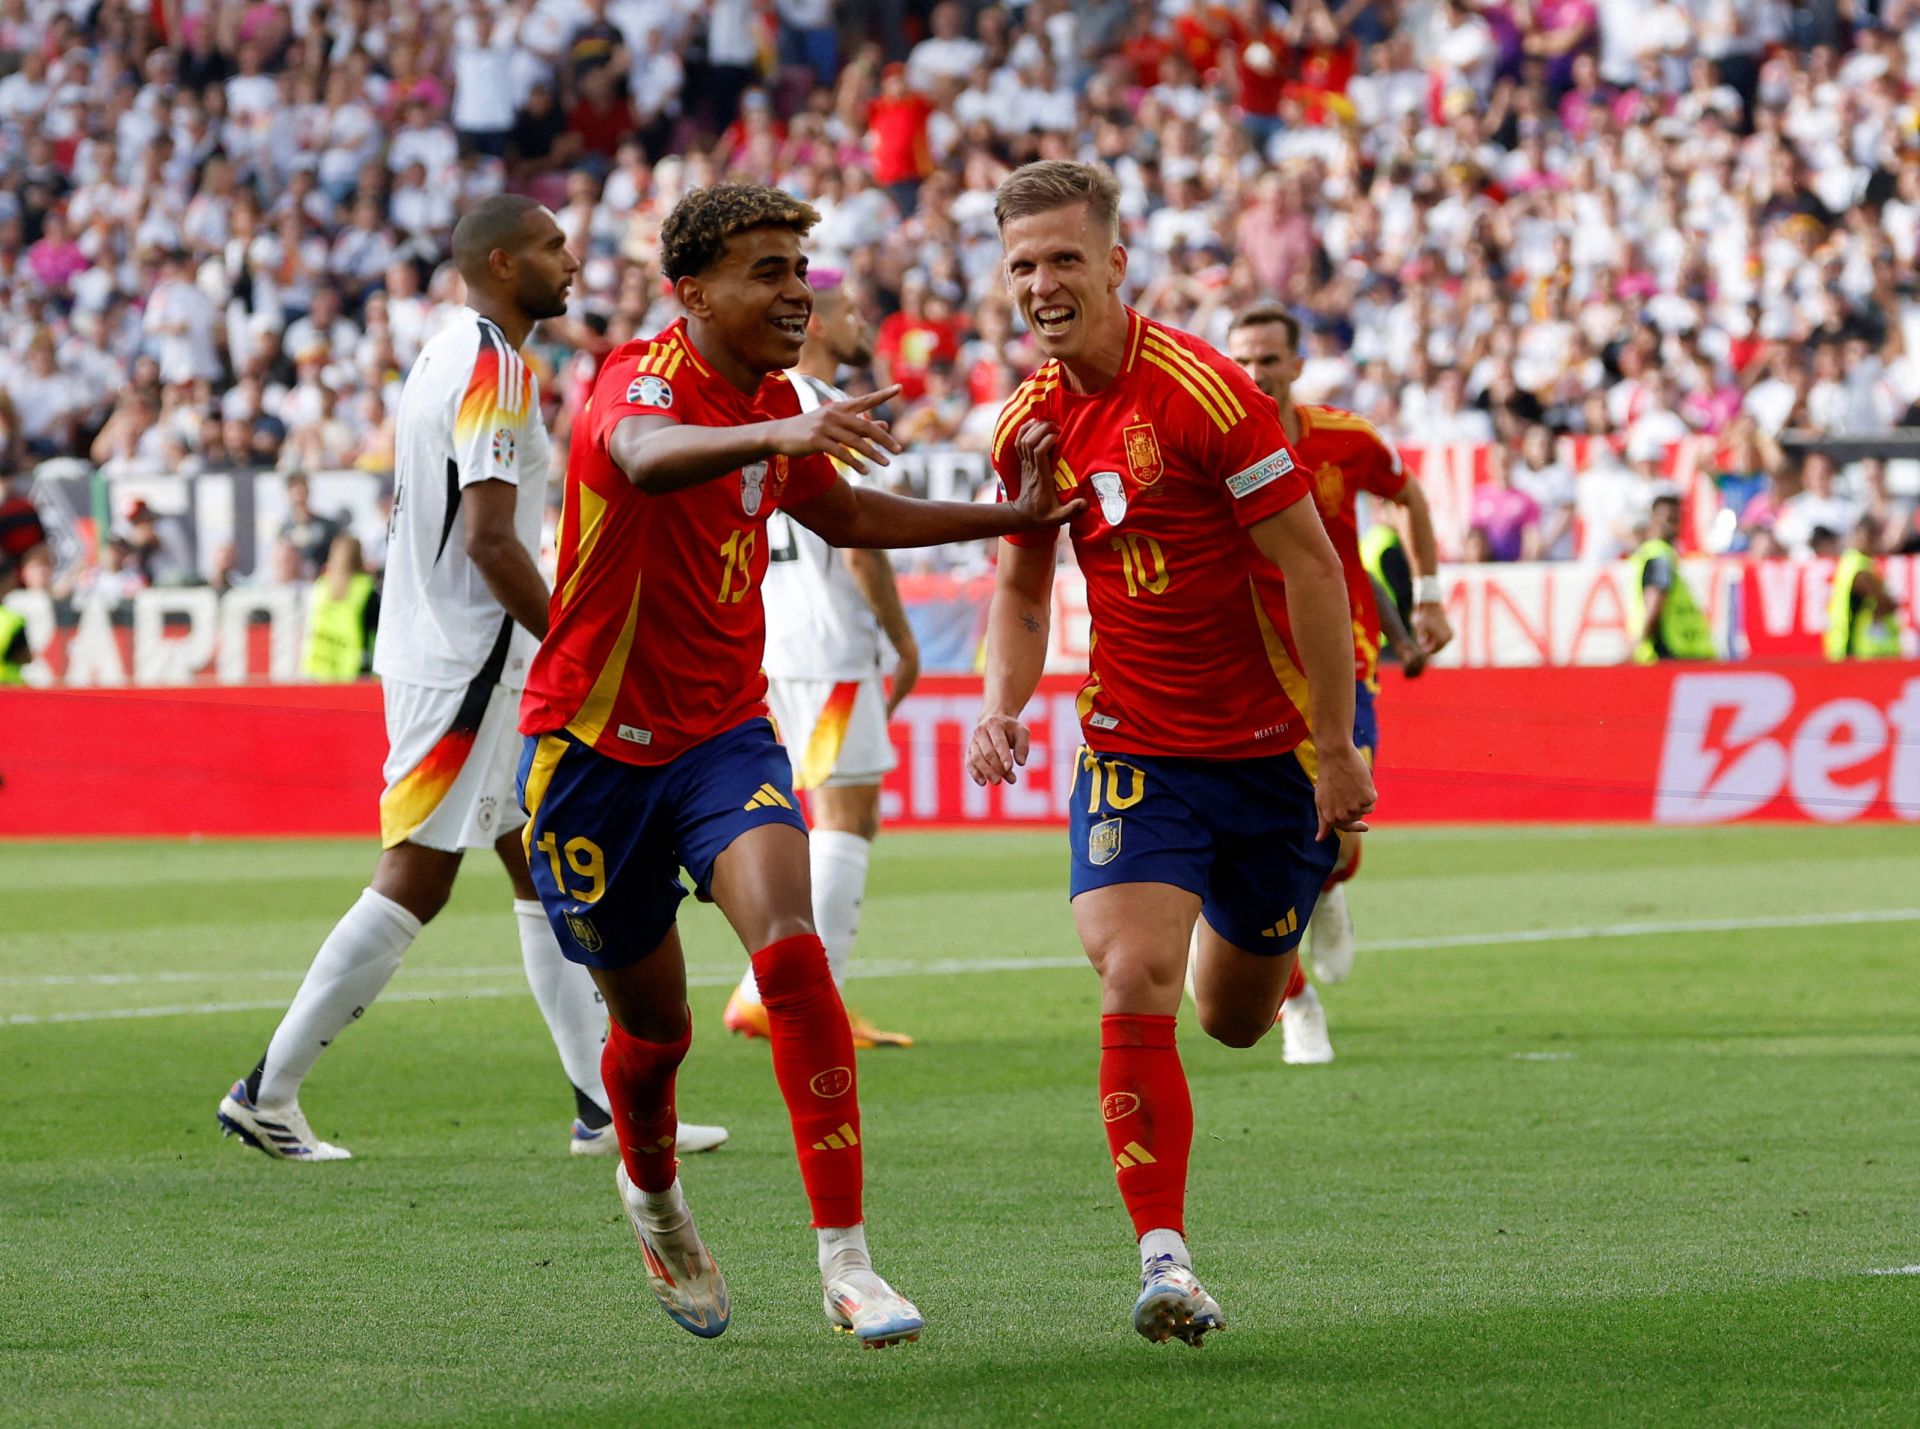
(1671,744)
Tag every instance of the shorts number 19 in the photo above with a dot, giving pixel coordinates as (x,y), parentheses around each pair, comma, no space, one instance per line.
(584,858)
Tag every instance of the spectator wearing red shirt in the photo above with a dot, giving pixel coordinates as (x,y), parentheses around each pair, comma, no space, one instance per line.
(916,337)
(897,133)
(600,117)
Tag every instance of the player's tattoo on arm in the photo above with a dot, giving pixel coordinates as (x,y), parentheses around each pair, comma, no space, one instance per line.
(1031,621)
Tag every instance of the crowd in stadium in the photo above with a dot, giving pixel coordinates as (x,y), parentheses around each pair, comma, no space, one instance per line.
(224,223)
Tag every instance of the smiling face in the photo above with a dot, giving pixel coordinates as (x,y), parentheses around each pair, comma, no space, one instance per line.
(1064,272)
(755,297)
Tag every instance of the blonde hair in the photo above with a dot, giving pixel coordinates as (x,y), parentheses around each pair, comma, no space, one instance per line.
(1048,184)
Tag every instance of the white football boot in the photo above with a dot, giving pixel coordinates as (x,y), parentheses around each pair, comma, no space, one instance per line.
(861,1304)
(281,1131)
(1330,937)
(1303,1031)
(1173,1305)
(680,1272)
(689,1140)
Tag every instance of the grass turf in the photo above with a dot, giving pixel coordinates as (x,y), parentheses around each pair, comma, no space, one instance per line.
(1620,1179)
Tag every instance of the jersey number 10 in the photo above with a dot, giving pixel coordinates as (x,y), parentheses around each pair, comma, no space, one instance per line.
(1137,553)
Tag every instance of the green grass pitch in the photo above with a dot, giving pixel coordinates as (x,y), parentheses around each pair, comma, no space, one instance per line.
(1552,1178)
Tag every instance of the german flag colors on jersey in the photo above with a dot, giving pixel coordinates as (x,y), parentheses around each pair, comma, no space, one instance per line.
(656,631)
(1343,456)
(1176,457)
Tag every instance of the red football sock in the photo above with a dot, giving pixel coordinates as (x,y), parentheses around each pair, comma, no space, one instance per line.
(639,1081)
(1296,984)
(1149,1118)
(813,1062)
(1346,867)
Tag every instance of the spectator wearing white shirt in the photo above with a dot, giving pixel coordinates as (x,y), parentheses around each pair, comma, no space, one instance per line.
(945,54)
(179,324)
(1541,474)
(1816,506)
(483,86)
(420,140)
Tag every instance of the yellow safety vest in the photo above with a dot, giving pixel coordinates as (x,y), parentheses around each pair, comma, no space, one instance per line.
(12,626)
(1379,539)
(1683,629)
(1857,634)
(337,631)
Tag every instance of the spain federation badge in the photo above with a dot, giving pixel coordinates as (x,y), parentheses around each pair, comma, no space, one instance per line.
(1103,842)
(1143,453)
(753,486)
(584,933)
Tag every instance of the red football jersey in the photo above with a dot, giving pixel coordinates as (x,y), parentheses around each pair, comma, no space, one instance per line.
(1176,457)
(1343,456)
(656,628)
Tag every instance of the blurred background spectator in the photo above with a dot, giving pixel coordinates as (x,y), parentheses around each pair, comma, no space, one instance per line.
(1577,231)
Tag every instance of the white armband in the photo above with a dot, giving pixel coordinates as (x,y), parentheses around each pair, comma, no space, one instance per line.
(1426,590)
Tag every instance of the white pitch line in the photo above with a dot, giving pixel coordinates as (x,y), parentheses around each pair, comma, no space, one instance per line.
(1643,930)
(1897,1270)
(945,967)
(950,967)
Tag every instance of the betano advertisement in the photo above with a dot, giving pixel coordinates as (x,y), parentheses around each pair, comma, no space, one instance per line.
(1796,741)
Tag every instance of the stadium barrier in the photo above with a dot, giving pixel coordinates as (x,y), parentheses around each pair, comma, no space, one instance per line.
(1505,617)
(1667,744)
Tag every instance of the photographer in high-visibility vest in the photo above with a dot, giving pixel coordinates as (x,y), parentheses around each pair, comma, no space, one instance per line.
(341,616)
(1668,623)
(1860,624)
(20,534)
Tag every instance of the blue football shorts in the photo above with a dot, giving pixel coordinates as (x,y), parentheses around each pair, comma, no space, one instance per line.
(1237,832)
(606,840)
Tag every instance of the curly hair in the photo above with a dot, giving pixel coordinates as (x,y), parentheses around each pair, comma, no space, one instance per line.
(695,234)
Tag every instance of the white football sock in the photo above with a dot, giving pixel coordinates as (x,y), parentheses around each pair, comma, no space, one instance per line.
(843,1249)
(1165,1242)
(839,867)
(749,989)
(569,1001)
(1306,999)
(353,965)
(661,1212)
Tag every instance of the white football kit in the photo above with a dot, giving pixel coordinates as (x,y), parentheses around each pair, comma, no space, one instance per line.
(825,650)
(451,660)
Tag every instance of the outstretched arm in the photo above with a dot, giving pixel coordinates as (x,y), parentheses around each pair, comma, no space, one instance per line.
(848,515)
(660,455)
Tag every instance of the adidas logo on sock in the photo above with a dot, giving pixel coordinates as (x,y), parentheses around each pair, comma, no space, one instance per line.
(1134,1155)
(839,1140)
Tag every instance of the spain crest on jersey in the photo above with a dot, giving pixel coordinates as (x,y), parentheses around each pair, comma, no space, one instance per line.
(1103,842)
(1112,495)
(1143,453)
(753,487)
(1329,485)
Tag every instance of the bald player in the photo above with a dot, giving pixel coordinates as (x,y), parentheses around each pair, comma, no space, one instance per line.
(460,619)
(831,616)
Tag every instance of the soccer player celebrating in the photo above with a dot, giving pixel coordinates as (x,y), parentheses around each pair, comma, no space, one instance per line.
(826,613)
(1200,791)
(1342,456)
(459,622)
(649,749)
